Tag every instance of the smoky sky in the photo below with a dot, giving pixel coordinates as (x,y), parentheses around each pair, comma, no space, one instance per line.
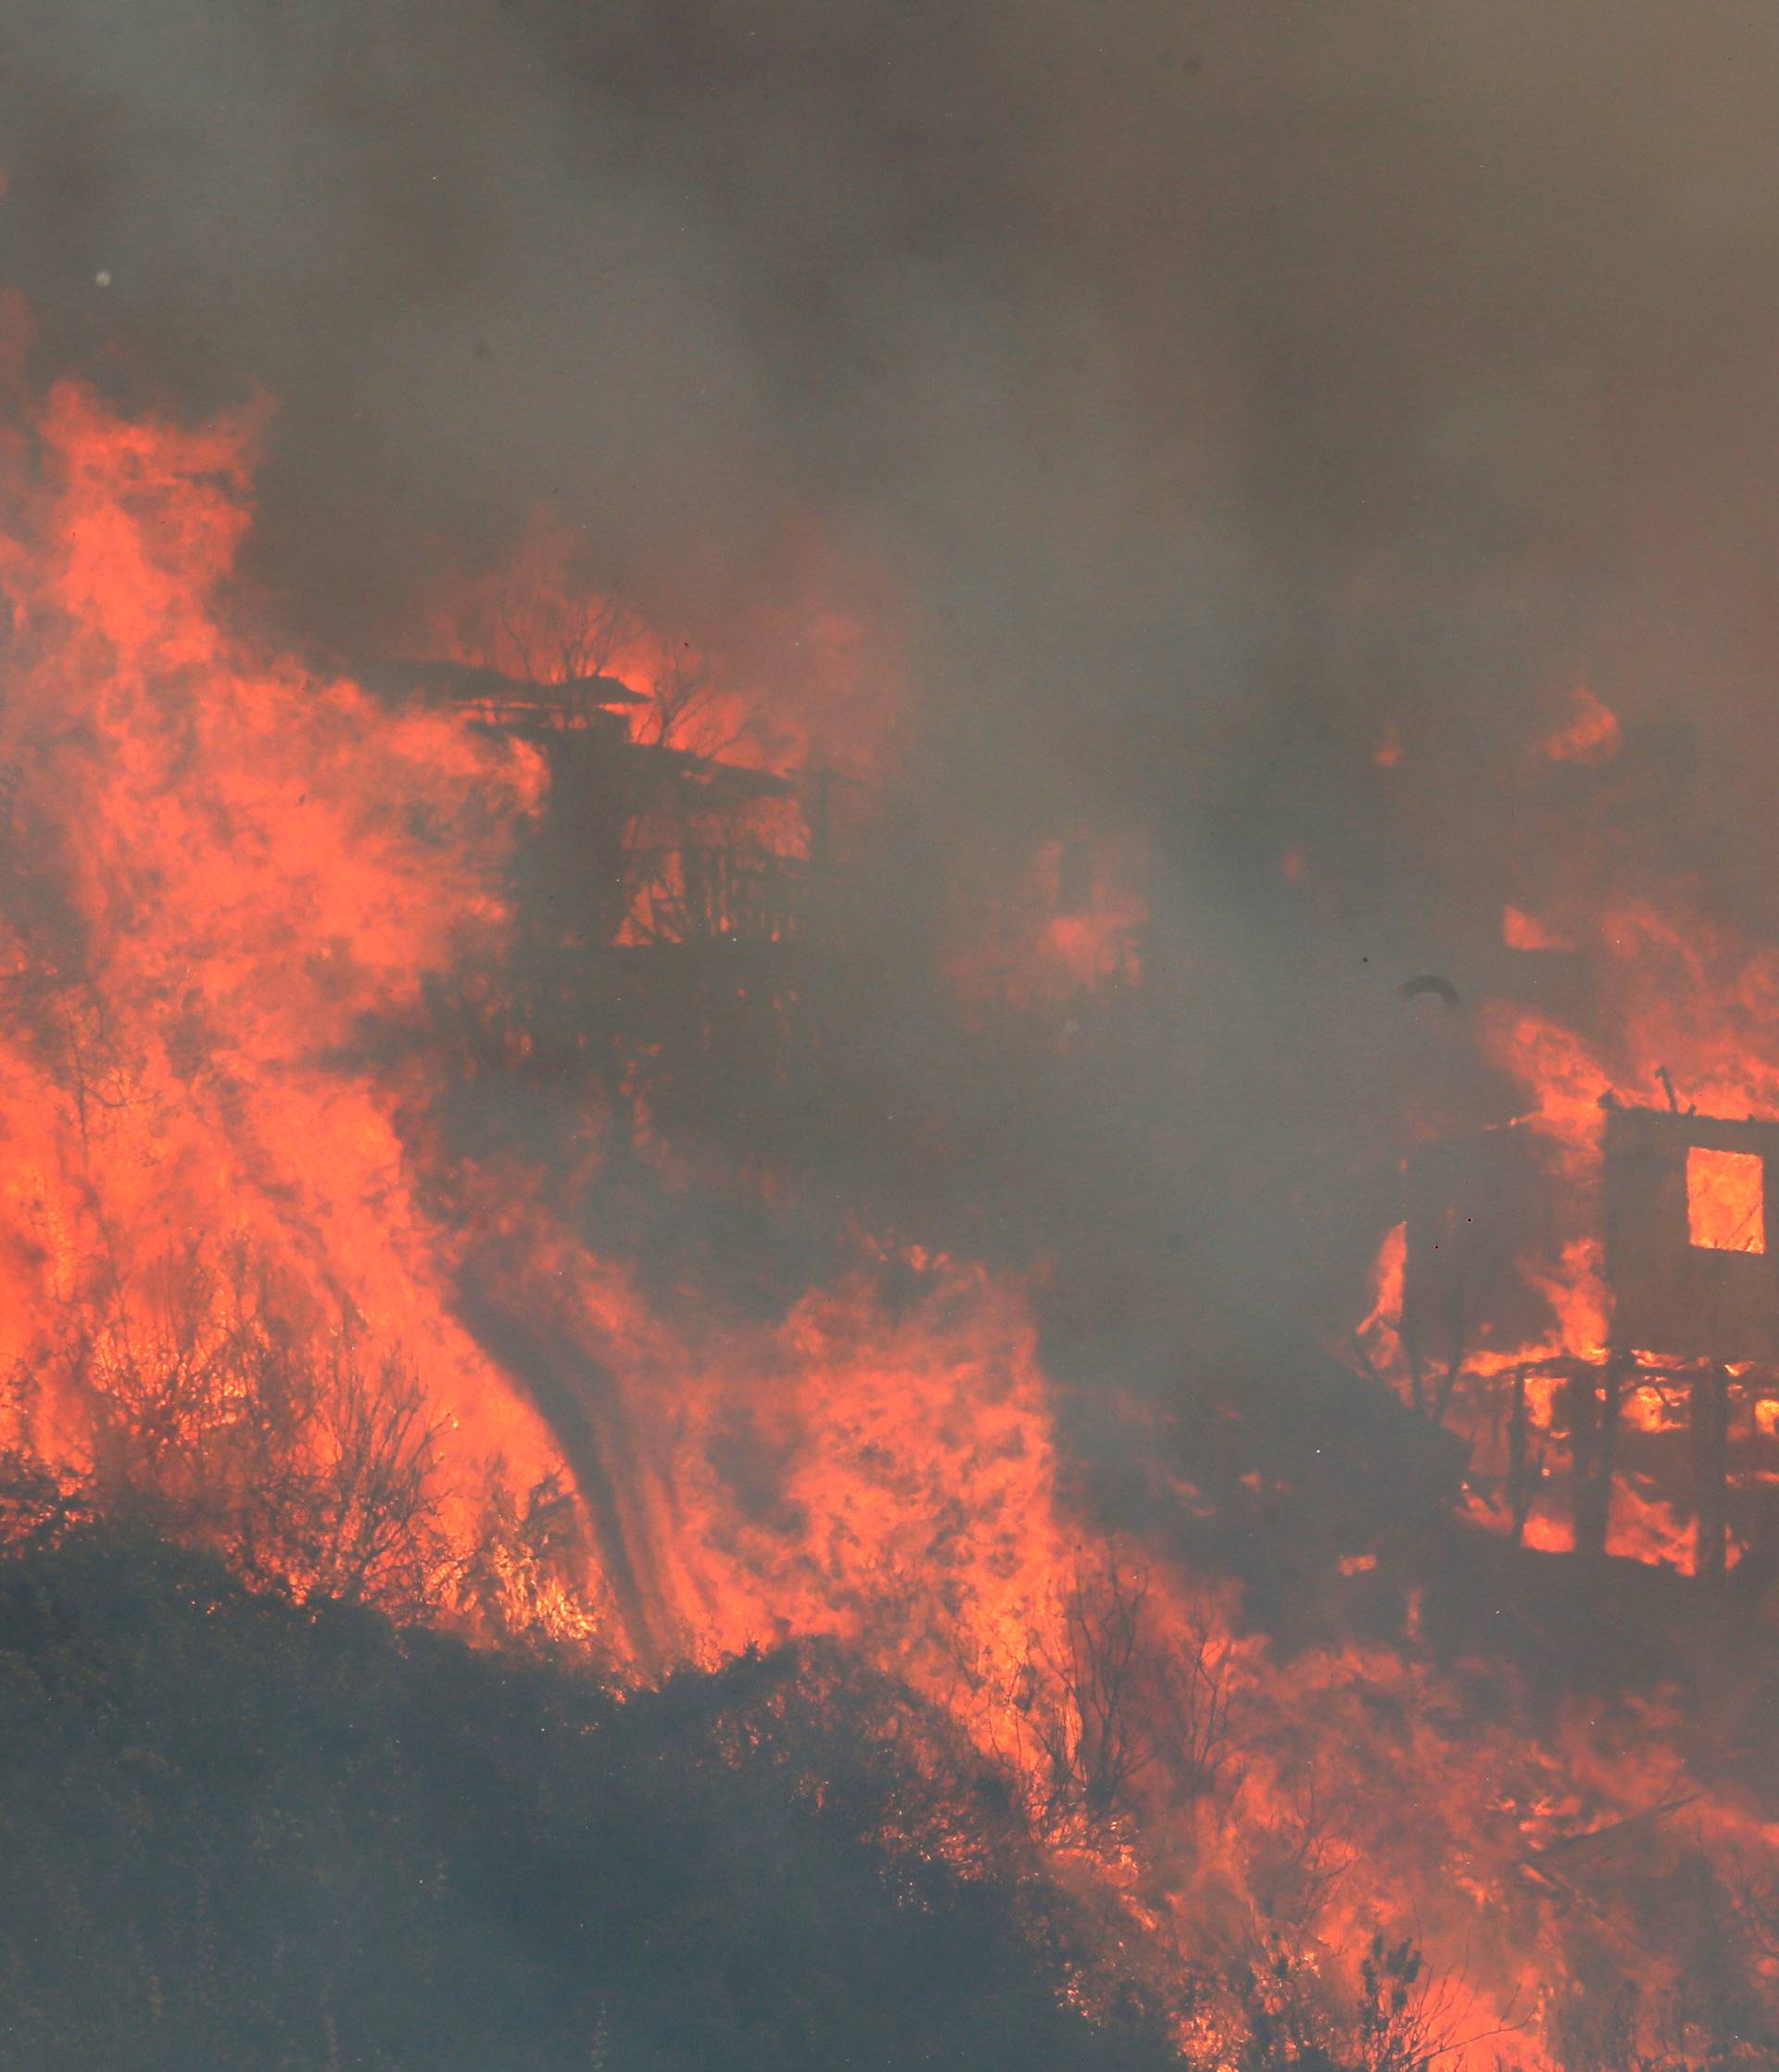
(1212,386)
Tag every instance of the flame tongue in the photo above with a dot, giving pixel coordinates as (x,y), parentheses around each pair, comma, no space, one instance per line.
(218,870)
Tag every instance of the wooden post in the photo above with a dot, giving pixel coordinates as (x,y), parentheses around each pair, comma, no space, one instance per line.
(1710,1418)
(1612,1398)
(1582,1403)
(1593,1398)
(1518,1459)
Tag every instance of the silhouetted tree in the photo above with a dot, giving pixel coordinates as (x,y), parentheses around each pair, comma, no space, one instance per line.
(1113,1696)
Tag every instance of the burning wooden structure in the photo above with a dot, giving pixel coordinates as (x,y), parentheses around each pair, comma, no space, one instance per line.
(1626,1313)
(663,894)
(667,847)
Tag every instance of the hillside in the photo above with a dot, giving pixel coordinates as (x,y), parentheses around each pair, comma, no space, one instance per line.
(243,1834)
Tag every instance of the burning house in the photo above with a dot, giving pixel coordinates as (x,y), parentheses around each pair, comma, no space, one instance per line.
(669,901)
(642,842)
(1603,1322)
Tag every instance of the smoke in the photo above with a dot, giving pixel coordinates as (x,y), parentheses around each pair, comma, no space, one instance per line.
(1214,388)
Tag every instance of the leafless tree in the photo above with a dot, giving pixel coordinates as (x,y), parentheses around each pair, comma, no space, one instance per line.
(1407,2020)
(367,1501)
(1111,1696)
(86,1062)
(1094,1740)
(1301,1864)
(35,1501)
(1401,2017)
(681,703)
(554,640)
(211,1395)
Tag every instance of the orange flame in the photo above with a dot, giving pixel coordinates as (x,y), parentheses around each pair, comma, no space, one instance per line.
(219,867)
(220,874)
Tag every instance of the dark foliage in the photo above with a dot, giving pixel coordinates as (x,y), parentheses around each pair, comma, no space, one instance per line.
(240,1833)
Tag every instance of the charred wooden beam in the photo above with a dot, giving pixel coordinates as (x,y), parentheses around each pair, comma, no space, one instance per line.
(1522,1480)
(1595,1395)
(440,681)
(1710,1424)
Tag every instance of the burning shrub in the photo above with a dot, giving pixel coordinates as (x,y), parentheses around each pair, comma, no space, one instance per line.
(214,1402)
(218,1404)
(1108,1697)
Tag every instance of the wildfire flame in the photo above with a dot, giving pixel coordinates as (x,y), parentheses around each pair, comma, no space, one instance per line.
(225,880)
(218,870)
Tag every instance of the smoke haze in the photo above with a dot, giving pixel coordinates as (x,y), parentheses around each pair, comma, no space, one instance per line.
(1192,395)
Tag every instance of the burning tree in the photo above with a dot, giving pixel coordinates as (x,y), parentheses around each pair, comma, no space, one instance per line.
(1109,1697)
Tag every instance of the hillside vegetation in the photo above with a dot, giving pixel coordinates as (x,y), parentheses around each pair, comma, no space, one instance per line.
(241,1833)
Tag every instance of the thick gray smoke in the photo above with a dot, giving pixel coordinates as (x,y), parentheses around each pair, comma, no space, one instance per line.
(1215,386)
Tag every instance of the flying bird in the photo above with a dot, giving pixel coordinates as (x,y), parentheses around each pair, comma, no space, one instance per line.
(1427,981)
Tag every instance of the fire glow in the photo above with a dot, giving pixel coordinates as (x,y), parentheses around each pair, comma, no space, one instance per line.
(1726,1200)
(222,873)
